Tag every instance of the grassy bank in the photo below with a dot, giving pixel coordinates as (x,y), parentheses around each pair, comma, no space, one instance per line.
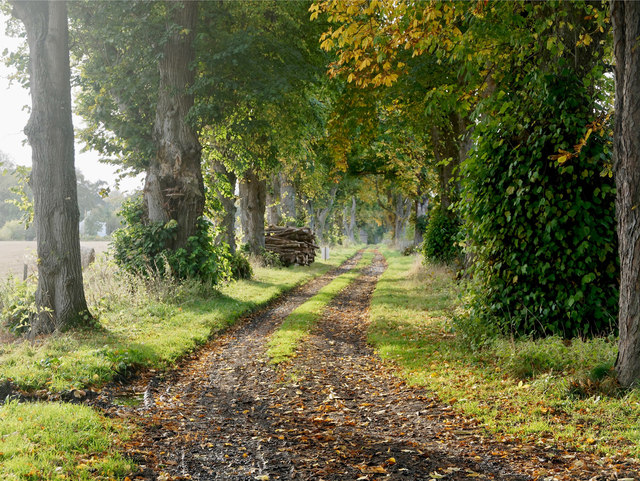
(284,342)
(143,327)
(546,391)
(59,441)
(140,327)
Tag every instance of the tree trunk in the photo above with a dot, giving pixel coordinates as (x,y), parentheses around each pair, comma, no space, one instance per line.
(625,18)
(323,214)
(418,212)
(402,210)
(287,199)
(274,216)
(451,145)
(349,220)
(60,295)
(174,189)
(311,213)
(226,184)
(252,208)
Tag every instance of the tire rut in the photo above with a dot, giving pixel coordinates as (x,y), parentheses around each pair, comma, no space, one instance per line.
(334,412)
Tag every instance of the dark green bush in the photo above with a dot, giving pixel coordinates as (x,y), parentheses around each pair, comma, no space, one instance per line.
(441,236)
(240,266)
(543,232)
(140,247)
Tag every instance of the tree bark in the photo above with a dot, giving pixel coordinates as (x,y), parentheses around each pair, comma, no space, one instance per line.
(225,195)
(323,214)
(274,215)
(174,189)
(287,199)
(625,16)
(402,211)
(60,294)
(451,144)
(349,220)
(420,209)
(253,192)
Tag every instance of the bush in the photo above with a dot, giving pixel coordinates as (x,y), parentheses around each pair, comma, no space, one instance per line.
(543,232)
(240,266)
(140,248)
(270,259)
(409,250)
(441,237)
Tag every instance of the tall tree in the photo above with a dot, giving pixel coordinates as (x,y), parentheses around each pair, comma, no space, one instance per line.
(253,194)
(625,17)
(60,294)
(174,188)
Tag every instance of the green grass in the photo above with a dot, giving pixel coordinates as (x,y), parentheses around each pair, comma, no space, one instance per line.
(59,441)
(297,326)
(139,329)
(140,326)
(544,391)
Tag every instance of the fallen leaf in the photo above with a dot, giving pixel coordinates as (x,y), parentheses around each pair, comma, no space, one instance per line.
(371,469)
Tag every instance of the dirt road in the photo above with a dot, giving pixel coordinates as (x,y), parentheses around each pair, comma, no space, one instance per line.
(336,412)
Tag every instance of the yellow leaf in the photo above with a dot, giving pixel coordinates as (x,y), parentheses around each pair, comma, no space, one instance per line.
(350,78)
(562,159)
(313,16)
(588,134)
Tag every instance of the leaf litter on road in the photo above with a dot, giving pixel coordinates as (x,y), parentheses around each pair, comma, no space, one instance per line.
(334,412)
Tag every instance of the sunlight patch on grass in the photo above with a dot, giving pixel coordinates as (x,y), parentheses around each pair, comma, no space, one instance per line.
(145,330)
(51,441)
(538,390)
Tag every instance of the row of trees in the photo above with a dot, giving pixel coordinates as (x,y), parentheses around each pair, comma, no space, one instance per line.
(497,113)
(526,86)
(200,96)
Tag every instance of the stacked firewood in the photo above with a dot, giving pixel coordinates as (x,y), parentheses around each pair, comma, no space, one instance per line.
(294,245)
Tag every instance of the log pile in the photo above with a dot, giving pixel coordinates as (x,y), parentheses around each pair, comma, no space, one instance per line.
(294,245)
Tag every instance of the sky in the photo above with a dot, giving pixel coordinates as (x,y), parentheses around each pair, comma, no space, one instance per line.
(14,117)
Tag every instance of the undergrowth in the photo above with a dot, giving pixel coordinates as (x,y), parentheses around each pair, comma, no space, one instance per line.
(144,323)
(549,391)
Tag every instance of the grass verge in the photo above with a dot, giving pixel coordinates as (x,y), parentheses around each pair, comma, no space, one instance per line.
(284,342)
(543,391)
(59,441)
(140,327)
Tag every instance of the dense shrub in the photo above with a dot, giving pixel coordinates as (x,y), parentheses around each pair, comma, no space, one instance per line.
(441,236)
(543,232)
(240,266)
(139,247)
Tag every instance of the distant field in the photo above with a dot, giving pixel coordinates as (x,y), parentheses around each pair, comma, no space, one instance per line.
(12,254)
